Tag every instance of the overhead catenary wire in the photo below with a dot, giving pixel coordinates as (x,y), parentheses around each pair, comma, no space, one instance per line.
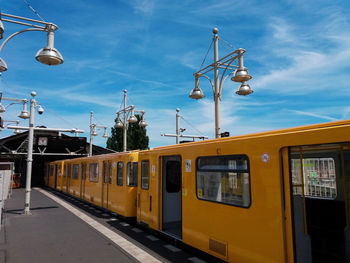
(191,125)
(35,12)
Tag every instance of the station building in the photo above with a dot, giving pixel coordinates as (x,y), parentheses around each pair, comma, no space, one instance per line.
(47,146)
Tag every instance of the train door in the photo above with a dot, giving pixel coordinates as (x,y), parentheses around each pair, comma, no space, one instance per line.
(320,180)
(144,198)
(171,196)
(106,181)
(55,176)
(82,180)
(64,178)
(68,177)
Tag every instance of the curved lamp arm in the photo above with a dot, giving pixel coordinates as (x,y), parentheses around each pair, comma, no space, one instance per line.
(211,83)
(17,33)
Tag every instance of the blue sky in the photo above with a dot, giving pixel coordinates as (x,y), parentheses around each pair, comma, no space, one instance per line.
(298,53)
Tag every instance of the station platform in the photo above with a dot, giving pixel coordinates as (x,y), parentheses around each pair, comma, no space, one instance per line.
(66,229)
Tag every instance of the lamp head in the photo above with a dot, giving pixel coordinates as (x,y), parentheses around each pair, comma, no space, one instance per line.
(118,124)
(196,93)
(132,119)
(49,56)
(244,89)
(143,123)
(16,131)
(2,29)
(105,135)
(3,65)
(2,108)
(240,75)
(24,114)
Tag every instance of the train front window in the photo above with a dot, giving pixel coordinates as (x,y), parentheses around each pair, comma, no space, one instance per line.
(93,172)
(120,173)
(145,175)
(75,171)
(224,179)
(131,174)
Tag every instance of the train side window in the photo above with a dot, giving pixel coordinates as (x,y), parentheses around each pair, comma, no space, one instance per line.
(69,170)
(224,179)
(83,171)
(173,176)
(104,173)
(93,172)
(59,170)
(120,173)
(64,170)
(145,175)
(316,176)
(131,174)
(75,171)
(110,173)
(51,170)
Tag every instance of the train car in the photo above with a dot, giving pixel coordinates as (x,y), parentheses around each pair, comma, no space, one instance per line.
(55,174)
(278,196)
(109,181)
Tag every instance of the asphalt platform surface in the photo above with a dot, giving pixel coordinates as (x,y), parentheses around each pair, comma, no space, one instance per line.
(53,234)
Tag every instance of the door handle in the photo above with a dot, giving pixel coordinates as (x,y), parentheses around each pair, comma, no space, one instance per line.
(150,203)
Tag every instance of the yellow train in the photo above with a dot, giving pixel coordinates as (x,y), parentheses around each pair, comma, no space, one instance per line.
(280,196)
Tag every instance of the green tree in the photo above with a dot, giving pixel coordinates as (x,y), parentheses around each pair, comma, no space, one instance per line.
(137,138)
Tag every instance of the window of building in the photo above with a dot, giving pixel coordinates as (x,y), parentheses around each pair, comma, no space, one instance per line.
(131,174)
(75,171)
(120,173)
(224,179)
(173,176)
(93,172)
(145,175)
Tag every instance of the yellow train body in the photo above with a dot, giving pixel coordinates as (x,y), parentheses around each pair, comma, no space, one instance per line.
(266,197)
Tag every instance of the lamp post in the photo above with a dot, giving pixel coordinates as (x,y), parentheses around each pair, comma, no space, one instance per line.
(25,115)
(93,131)
(132,119)
(47,55)
(239,72)
(178,132)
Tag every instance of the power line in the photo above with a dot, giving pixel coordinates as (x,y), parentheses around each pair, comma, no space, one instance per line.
(35,12)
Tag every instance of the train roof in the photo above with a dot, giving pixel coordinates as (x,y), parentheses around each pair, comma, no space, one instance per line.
(238,137)
(261,134)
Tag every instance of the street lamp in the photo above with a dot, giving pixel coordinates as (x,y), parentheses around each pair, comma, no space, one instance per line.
(25,115)
(238,72)
(93,131)
(132,119)
(2,126)
(47,55)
